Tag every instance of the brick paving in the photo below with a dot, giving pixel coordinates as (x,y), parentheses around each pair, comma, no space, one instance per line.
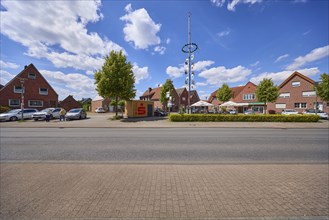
(161,191)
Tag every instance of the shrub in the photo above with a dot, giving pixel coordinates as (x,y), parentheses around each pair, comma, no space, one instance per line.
(242,118)
(4,109)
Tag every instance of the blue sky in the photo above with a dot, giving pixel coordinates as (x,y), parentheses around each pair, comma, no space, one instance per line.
(239,41)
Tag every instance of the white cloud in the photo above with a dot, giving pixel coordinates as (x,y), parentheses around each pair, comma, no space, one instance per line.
(159,49)
(316,54)
(218,3)
(202,65)
(168,41)
(231,5)
(65,31)
(223,33)
(75,84)
(281,58)
(279,77)
(5,77)
(201,84)
(175,72)
(140,73)
(140,29)
(219,75)
(255,64)
(9,65)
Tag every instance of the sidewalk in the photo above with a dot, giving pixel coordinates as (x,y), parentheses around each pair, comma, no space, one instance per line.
(137,191)
(95,120)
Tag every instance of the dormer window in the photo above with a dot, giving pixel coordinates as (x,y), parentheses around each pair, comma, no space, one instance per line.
(31,76)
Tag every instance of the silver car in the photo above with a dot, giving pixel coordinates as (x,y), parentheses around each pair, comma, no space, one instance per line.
(16,114)
(76,113)
(42,114)
(322,114)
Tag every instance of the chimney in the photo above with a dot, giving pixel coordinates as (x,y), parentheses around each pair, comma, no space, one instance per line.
(25,67)
(150,89)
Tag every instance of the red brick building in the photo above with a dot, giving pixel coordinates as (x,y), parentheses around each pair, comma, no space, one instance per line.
(243,96)
(99,101)
(153,94)
(297,92)
(69,103)
(37,92)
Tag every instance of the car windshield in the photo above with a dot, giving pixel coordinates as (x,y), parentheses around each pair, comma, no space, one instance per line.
(74,110)
(45,110)
(14,111)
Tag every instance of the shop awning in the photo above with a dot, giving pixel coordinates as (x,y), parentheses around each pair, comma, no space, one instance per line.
(256,103)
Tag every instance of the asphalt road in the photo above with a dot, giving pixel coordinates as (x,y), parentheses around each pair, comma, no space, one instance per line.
(165,145)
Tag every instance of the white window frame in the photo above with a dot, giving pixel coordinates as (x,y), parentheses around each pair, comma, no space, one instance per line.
(300,105)
(280,105)
(183,98)
(250,96)
(32,75)
(9,102)
(285,95)
(295,84)
(16,90)
(43,92)
(309,94)
(35,105)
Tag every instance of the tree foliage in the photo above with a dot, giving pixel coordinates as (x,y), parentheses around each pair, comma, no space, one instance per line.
(168,86)
(224,93)
(267,92)
(322,89)
(116,79)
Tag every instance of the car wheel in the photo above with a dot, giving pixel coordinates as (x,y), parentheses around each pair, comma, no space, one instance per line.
(14,118)
(35,119)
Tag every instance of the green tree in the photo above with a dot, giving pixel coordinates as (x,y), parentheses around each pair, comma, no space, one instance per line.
(224,93)
(267,92)
(322,89)
(168,86)
(115,79)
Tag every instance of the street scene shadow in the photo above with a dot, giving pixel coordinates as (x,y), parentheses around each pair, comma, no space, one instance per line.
(144,119)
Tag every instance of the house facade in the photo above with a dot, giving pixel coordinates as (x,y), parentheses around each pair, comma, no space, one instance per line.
(69,103)
(153,94)
(37,92)
(194,97)
(243,96)
(297,92)
(99,101)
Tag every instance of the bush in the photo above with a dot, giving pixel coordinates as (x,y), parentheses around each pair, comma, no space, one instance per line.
(243,118)
(4,109)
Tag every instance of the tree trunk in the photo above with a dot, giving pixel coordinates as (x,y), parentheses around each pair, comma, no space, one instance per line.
(265,107)
(116,106)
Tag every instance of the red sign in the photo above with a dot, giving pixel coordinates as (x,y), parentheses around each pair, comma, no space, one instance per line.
(141,109)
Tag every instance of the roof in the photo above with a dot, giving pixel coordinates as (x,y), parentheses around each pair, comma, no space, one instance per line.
(235,91)
(296,74)
(26,69)
(98,98)
(153,94)
(180,91)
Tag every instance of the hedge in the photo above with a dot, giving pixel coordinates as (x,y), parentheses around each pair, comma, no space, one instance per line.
(242,118)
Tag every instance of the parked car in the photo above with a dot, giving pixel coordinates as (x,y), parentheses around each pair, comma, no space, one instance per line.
(289,112)
(249,112)
(322,114)
(41,115)
(232,112)
(76,113)
(100,110)
(159,112)
(16,114)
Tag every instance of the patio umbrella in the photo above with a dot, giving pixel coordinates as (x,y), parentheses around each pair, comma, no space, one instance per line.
(229,103)
(202,103)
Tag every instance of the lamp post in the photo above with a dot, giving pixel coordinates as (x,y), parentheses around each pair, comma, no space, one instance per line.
(189,48)
(22,97)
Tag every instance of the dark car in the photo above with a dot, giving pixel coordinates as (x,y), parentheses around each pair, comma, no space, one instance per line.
(159,112)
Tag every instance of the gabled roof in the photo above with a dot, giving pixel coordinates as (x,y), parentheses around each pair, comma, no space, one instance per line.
(296,74)
(180,91)
(98,98)
(26,68)
(152,94)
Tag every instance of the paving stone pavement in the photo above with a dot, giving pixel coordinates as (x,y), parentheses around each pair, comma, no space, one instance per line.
(162,191)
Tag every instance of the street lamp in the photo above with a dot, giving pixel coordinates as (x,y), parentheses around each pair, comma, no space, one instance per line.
(189,48)
(22,97)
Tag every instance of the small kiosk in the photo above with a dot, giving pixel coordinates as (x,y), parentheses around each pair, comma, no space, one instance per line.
(139,108)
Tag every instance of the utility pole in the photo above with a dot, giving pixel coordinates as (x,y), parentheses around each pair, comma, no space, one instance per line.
(189,48)
(22,97)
